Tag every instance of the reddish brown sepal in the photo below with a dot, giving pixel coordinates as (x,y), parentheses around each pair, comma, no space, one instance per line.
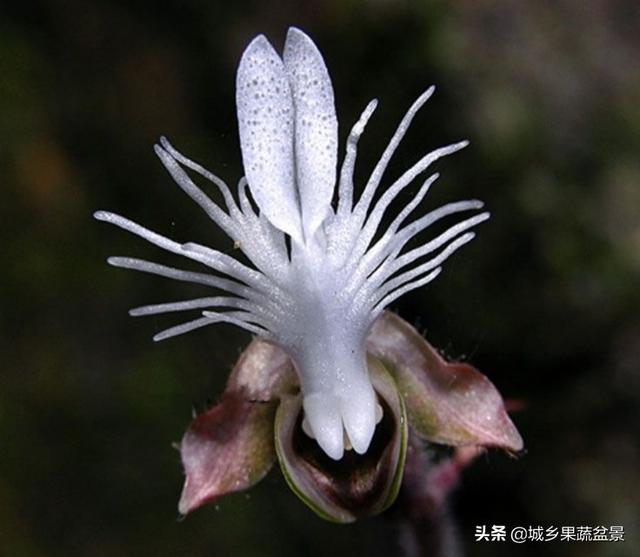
(447,403)
(230,447)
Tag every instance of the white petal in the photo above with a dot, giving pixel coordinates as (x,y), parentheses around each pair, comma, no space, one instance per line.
(265,120)
(316,128)
(323,414)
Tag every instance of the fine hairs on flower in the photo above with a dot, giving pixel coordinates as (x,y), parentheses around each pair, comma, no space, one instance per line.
(317,294)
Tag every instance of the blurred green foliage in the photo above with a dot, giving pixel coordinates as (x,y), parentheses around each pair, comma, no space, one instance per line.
(545,301)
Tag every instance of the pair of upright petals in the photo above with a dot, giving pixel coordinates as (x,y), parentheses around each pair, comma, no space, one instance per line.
(288,132)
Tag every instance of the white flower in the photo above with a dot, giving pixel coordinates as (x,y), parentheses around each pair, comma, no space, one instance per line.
(322,272)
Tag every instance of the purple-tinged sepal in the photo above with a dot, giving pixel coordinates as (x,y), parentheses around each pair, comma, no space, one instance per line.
(448,403)
(229,447)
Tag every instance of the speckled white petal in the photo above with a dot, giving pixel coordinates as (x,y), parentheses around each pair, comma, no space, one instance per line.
(316,127)
(265,120)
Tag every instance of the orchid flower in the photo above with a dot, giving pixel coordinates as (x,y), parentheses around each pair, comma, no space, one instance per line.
(322,269)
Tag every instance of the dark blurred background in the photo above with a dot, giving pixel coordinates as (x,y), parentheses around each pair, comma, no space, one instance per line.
(545,301)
